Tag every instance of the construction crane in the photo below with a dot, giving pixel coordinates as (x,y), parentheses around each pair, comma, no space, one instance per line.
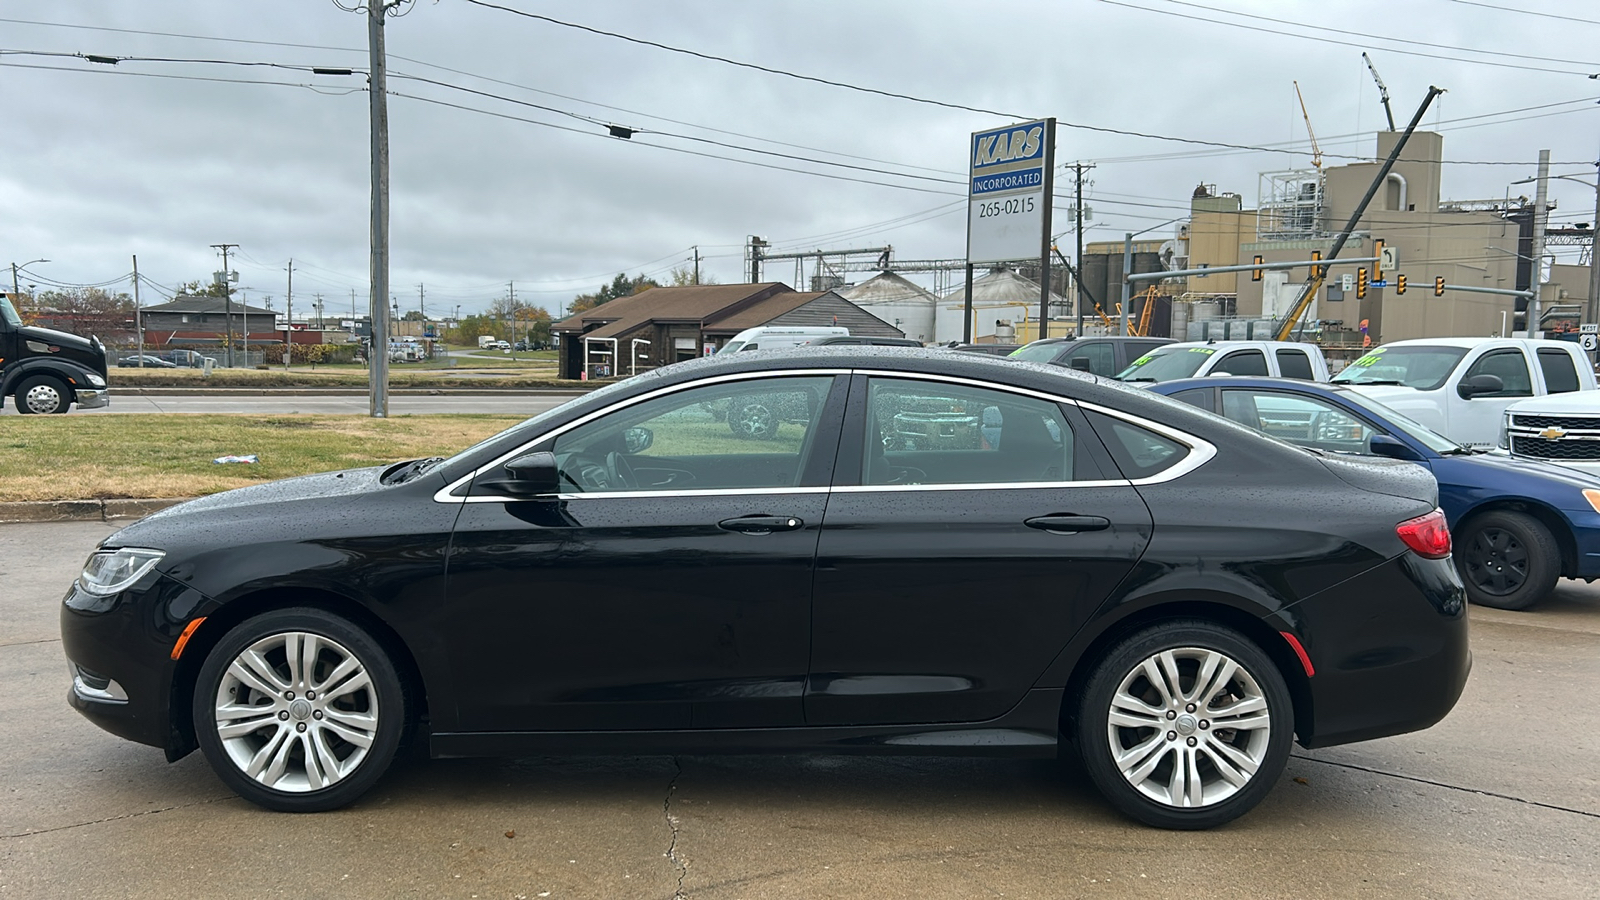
(1383,91)
(1143,328)
(1316,152)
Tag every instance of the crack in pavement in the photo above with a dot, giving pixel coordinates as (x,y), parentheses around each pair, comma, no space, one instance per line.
(134,815)
(672,822)
(1451,787)
(26,643)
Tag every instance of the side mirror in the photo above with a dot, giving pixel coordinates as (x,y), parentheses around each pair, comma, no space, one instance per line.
(637,440)
(1081,363)
(531,474)
(1473,385)
(1393,448)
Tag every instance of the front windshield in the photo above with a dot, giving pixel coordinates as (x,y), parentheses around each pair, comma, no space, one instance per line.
(9,313)
(1038,351)
(1419,432)
(731,347)
(1167,364)
(1422,367)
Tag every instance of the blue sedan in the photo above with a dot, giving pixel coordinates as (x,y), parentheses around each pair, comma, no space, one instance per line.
(1518,525)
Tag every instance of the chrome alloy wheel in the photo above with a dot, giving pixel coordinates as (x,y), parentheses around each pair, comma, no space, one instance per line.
(43,398)
(296,712)
(1189,727)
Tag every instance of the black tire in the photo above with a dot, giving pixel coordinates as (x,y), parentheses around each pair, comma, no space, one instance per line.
(1507,560)
(753,419)
(294,719)
(42,394)
(1186,726)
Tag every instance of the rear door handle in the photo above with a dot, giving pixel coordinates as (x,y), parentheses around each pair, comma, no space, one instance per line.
(1061,523)
(761,524)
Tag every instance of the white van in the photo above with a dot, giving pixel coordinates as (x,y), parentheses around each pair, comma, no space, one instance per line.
(1193,359)
(771,337)
(1461,387)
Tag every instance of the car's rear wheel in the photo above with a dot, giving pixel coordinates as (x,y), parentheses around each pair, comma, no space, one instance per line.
(41,395)
(1185,725)
(299,710)
(1508,560)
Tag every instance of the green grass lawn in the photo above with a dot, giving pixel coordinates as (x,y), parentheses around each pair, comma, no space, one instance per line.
(111,456)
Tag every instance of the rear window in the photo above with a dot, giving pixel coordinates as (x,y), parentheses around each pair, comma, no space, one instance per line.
(1560,376)
(1138,452)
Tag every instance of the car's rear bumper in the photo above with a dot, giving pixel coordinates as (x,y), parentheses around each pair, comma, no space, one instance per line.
(1389,651)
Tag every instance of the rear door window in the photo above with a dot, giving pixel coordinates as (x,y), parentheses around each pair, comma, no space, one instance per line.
(1560,375)
(1243,362)
(1295,364)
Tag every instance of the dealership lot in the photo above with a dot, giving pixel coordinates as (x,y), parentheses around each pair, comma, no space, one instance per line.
(1502,797)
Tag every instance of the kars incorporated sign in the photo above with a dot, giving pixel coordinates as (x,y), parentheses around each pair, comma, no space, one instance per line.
(1008,205)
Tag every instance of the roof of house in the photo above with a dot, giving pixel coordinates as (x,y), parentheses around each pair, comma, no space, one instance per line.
(693,303)
(184,303)
(760,313)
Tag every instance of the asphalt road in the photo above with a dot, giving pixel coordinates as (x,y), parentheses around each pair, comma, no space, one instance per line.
(1500,800)
(349,404)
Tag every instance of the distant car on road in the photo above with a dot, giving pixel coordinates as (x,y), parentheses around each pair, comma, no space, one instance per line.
(1518,525)
(148,362)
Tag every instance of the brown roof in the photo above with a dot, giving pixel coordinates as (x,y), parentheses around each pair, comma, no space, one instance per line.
(694,303)
(760,313)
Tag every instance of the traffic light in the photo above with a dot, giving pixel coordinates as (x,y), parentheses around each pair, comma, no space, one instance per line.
(1361,284)
(1377,267)
(1399,284)
(1318,271)
(1438,286)
(1255,274)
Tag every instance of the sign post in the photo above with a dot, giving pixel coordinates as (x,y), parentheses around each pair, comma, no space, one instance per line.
(1008,200)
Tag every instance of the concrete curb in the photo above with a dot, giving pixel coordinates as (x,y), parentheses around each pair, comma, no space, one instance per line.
(82,510)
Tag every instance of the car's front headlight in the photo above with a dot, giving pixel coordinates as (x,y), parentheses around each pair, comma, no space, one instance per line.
(111,571)
(95,380)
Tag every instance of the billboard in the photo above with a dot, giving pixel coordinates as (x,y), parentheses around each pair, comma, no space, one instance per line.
(1008,197)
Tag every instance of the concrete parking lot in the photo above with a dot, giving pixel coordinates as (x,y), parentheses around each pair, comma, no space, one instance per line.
(1501,799)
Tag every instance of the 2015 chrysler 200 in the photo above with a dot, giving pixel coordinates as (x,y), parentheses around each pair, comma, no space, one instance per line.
(1066,559)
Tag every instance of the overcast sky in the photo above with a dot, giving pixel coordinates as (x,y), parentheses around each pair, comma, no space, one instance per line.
(101,163)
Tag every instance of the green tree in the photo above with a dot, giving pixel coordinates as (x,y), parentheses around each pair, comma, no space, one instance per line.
(202,289)
(621,286)
(683,276)
(85,311)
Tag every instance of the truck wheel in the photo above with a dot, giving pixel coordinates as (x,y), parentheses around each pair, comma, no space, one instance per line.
(1508,560)
(42,394)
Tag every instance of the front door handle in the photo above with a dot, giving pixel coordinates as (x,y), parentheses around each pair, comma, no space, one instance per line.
(1062,523)
(761,524)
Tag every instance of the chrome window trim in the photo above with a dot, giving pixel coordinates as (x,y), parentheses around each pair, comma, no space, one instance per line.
(1200,451)
(443,495)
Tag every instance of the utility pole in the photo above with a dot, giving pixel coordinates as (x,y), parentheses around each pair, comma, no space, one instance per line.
(377,94)
(227,297)
(1592,313)
(1077,278)
(288,320)
(422,301)
(1541,220)
(511,292)
(317,305)
(138,310)
(756,244)
(1044,235)
(353,315)
(697,263)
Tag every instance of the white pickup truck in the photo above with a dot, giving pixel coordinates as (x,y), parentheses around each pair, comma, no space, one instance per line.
(1561,428)
(1461,387)
(1193,359)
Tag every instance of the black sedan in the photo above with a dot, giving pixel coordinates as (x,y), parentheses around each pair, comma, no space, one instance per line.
(1062,559)
(147,362)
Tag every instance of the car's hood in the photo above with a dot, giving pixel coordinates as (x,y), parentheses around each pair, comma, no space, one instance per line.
(55,338)
(1514,474)
(1560,404)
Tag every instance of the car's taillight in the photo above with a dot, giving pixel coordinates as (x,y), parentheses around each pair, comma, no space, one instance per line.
(1428,535)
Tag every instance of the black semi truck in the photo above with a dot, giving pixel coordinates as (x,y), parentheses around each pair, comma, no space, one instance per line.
(46,371)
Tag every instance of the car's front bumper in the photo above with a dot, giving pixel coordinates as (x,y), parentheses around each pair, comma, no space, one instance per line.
(1389,649)
(93,398)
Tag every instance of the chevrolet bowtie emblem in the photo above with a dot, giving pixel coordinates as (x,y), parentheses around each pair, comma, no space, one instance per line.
(1553,434)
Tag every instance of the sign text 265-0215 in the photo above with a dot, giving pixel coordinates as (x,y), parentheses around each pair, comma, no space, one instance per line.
(1008,207)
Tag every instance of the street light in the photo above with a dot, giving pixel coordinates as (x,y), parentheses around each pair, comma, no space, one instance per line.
(15,267)
(1591,311)
(1127,269)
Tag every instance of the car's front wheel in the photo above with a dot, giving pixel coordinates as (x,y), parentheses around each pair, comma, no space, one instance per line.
(42,395)
(1185,725)
(1508,560)
(299,710)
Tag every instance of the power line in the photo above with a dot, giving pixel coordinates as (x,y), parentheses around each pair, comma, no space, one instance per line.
(1371,37)
(1326,40)
(1526,12)
(316,88)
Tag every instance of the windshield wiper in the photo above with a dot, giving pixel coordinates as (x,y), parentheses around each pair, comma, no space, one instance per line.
(413,469)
